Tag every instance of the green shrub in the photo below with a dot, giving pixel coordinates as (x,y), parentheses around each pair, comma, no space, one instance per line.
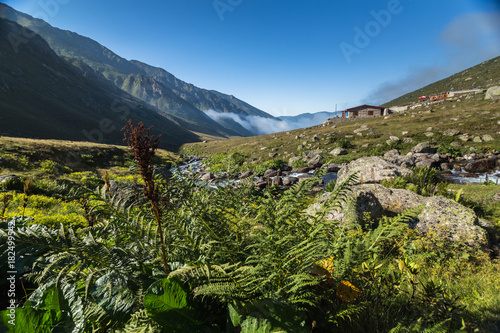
(398,182)
(448,149)
(344,143)
(54,168)
(298,164)
(12,184)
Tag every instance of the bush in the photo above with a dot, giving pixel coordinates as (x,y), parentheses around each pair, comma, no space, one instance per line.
(12,184)
(299,164)
(54,168)
(448,149)
(344,143)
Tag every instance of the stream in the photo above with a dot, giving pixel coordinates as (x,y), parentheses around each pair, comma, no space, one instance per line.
(456,177)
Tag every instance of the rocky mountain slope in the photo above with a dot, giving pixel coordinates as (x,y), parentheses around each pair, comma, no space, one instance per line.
(153,85)
(43,96)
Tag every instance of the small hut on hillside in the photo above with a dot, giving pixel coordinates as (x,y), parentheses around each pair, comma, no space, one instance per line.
(364,111)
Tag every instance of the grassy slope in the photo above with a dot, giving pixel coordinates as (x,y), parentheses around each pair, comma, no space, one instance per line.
(474,116)
(23,156)
(483,75)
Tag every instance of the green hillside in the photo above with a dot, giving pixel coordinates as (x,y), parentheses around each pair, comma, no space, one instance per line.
(482,76)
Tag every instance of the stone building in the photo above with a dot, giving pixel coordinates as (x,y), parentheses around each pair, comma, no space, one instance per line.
(364,111)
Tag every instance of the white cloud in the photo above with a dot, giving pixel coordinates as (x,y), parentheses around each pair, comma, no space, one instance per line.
(260,125)
(468,40)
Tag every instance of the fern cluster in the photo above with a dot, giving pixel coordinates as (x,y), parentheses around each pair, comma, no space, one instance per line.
(238,261)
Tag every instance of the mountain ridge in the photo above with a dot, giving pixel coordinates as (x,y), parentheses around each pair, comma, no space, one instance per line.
(161,89)
(44,96)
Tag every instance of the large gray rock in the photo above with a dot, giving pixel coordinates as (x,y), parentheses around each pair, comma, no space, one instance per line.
(315,162)
(493,93)
(424,147)
(307,155)
(451,132)
(245,174)
(370,200)
(270,173)
(207,176)
(289,181)
(441,217)
(338,151)
(447,219)
(395,200)
(395,157)
(488,137)
(363,204)
(480,166)
(371,169)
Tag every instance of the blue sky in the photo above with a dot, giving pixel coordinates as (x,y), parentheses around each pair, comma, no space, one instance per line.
(287,56)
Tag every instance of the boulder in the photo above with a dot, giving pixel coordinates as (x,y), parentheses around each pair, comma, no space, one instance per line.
(477,139)
(333,167)
(260,183)
(481,166)
(363,202)
(294,159)
(464,137)
(447,219)
(493,93)
(309,154)
(245,174)
(372,199)
(270,173)
(300,170)
(424,147)
(444,218)
(371,169)
(315,162)
(395,157)
(425,161)
(338,151)
(445,167)
(488,137)
(395,200)
(207,176)
(289,181)
(451,132)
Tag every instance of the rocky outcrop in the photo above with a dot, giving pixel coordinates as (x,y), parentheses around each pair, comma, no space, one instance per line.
(493,93)
(395,157)
(207,176)
(424,147)
(443,218)
(480,166)
(315,162)
(338,151)
(371,169)
(447,219)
